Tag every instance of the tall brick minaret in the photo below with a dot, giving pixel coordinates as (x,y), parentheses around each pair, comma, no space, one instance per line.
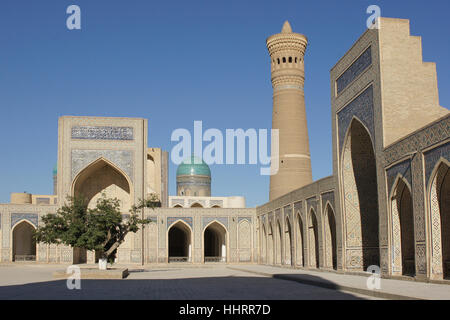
(287,50)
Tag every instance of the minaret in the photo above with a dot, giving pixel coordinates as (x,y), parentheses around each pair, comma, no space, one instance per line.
(287,50)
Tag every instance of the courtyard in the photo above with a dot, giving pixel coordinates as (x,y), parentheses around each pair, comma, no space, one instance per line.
(169,282)
(24,281)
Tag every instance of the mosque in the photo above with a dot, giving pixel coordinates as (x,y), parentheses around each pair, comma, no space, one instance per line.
(387,202)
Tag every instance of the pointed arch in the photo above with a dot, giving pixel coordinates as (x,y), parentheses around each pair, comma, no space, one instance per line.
(179,239)
(288,245)
(439,220)
(244,241)
(360,198)
(313,239)
(270,244)
(279,246)
(196,205)
(215,240)
(300,254)
(103,176)
(264,243)
(402,228)
(330,236)
(23,243)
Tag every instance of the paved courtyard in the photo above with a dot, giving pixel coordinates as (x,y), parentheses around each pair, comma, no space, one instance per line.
(215,282)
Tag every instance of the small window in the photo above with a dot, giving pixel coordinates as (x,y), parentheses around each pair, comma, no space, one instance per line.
(290,59)
(284,59)
(278,60)
(295,59)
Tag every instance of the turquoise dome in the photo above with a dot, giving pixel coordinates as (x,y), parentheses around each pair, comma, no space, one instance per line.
(55,170)
(192,168)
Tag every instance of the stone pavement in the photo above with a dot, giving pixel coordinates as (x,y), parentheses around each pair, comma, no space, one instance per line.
(389,288)
(174,282)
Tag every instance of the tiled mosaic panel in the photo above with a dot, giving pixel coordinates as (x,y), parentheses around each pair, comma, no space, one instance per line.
(433,156)
(404,169)
(120,158)
(102,133)
(222,220)
(31,217)
(171,220)
(328,197)
(362,108)
(355,69)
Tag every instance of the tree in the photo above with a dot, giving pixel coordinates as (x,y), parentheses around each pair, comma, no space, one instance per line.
(102,228)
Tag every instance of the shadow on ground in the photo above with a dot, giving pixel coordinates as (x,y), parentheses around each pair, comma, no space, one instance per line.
(204,288)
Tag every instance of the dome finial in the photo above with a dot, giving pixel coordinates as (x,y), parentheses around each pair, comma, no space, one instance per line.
(286,27)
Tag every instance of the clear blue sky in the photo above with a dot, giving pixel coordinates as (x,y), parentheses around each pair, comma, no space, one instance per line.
(174,62)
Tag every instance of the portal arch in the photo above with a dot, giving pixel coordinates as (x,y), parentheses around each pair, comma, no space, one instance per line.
(360,198)
(179,238)
(215,242)
(103,177)
(439,220)
(24,245)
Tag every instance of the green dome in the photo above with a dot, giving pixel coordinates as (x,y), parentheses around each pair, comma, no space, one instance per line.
(194,169)
(55,170)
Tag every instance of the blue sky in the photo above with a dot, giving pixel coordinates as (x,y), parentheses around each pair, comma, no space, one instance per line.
(174,62)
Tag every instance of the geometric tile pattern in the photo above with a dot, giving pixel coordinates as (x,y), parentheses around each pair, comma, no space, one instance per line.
(402,168)
(433,156)
(30,217)
(362,108)
(171,220)
(222,220)
(355,69)
(438,131)
(122,159)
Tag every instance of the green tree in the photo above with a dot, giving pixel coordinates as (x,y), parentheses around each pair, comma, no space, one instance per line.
(102,228)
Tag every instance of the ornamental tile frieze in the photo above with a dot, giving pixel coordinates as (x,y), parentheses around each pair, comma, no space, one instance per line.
(102,133)
(421,139)
(355,69)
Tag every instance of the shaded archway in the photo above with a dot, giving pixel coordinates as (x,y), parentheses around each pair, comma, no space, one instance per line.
(300,254)
(178,206)
(102,177)
(264,245)
(270,245)
(196,205)
(288,247)
(360,199)
(279,247)
(402,222)
(440,221)
(180,243)
(215,243)
(330,238)
(24,245)
(313,231)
